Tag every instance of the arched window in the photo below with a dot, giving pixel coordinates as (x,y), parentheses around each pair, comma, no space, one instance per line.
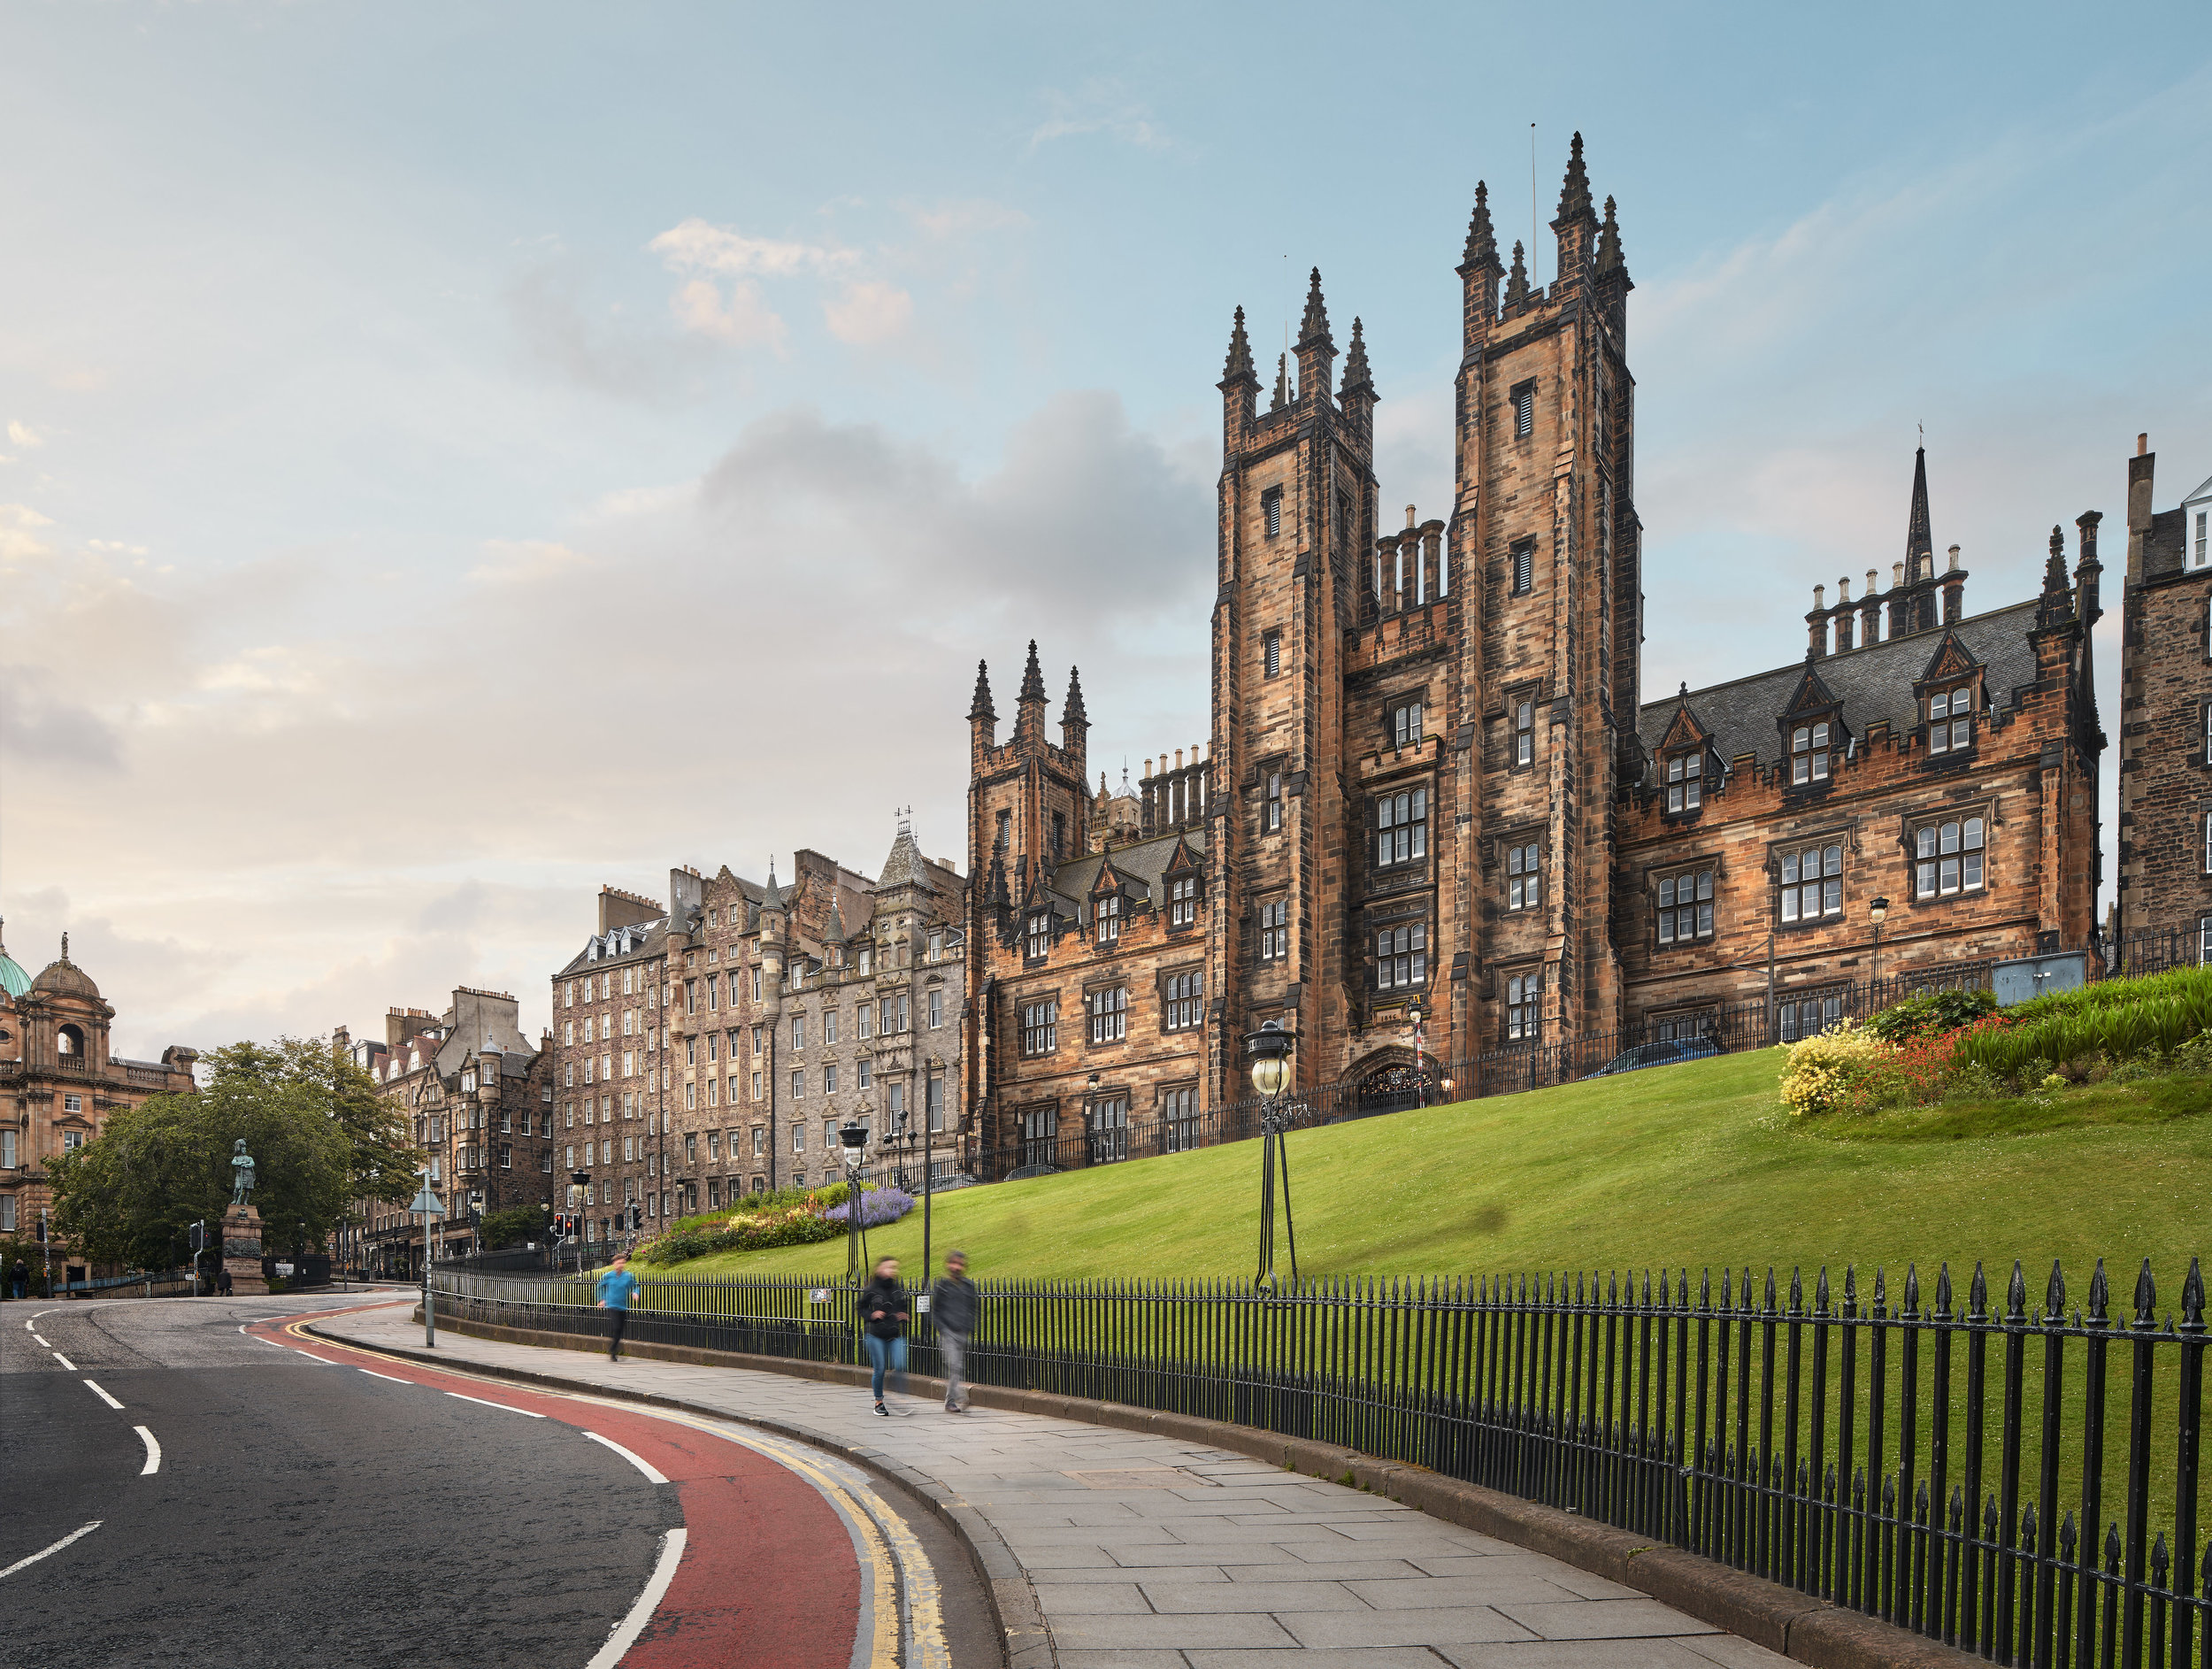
(69,1042)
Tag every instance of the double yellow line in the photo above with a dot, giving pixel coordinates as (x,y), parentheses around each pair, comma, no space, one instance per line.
(898,1569)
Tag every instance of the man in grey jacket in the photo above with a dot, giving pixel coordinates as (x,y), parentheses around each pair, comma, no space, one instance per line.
(955,1305)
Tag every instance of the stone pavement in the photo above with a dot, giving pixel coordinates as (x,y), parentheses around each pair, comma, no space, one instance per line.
(1144,1552)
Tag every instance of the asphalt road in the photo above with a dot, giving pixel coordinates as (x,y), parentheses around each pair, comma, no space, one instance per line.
(313,1505)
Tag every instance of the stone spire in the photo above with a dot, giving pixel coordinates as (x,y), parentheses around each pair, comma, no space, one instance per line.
(1609,241)
(981,707)
(2056,606)
(1919,542)
(1482,241)
(1033,679)
(1574,192)
(1516,280)
(772,898)
(1072,711)
(1282,381)
(1314,327)
(1355,372)
(1238,372)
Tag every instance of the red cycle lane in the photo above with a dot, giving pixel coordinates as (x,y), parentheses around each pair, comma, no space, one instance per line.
(768,1574)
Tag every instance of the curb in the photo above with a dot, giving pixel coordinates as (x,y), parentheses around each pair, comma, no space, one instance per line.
(1028,1639)
(1799,1627)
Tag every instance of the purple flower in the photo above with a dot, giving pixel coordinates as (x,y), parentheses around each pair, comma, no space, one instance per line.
(878,1206)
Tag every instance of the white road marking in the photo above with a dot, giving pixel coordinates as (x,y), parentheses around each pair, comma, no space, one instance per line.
(63,1360)
(103,1397)
(395,1378)
(42,1340)
(153,1453)
(509,1407)
(65,1541)
(630,1628)
(651,1474)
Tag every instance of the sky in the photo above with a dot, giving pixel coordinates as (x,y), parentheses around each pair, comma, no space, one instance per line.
(455,457)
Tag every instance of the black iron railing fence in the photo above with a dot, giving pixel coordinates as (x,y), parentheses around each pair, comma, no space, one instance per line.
(2134,954)
(1031,1141)
(2022,1481)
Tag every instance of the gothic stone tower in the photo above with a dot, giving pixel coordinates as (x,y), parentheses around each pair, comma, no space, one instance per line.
(1417,743)
(1545,546)
(1297,503)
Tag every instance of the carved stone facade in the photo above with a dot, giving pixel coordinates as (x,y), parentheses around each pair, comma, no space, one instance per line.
(477,1098)
(1431,786)
(712,1047)
(2166,712)
(59,1083)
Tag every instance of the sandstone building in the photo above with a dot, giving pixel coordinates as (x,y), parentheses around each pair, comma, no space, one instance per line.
(59,1081)
(477,1098)
(1431,787)
(712,1047)
(2165,881)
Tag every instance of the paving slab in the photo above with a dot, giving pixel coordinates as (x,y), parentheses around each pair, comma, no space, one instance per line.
(1233,1565)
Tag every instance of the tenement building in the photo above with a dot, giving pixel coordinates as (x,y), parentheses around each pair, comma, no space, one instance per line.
(714,1048)
(476,1097)
(1432,807)
(59,1081)
(2166,713)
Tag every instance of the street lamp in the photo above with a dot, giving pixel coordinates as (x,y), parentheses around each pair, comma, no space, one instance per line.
(579,1196)
(853,1139)
(1270,1049)
(1876,910)
(1415,1019)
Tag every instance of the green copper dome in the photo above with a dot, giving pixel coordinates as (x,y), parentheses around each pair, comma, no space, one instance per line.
(14,980)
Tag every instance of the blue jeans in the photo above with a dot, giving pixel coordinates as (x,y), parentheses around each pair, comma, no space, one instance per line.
(886,1353)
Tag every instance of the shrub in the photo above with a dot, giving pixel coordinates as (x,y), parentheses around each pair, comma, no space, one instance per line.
(1832,1070)
(1931,1012)
(2121,1020)
(878,1206)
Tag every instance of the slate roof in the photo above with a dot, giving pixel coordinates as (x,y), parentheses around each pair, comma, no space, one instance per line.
(1873,684)
(906,866)
(1143,864)
(645,939)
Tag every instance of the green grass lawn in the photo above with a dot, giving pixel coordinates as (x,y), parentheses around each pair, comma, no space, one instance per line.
(1695,1164)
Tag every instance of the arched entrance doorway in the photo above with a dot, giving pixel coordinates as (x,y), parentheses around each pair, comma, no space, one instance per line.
(1390,1082)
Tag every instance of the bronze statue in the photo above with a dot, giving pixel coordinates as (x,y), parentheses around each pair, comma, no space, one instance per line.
(241,1168)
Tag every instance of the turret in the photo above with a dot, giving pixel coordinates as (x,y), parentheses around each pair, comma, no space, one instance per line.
(1029,707)
(2087,568)
(1075,724)
(1317,349)
(1357,398)
(1240,387)
(982,716)
(1576,223)
(2056,607)
(1479,271)
(1516,280)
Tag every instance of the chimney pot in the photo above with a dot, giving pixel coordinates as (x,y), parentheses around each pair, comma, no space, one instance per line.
(1955,559)
(1843,589)
(1820,597)
(1411,520)
(1896,575)
(2142,443)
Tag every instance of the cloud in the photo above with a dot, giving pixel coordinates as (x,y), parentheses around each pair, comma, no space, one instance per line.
(868,313)
(742,319)
(1098,107)
(19,540)
(599,349)
(24,434)
(436,794)
(964,217)
(696,246)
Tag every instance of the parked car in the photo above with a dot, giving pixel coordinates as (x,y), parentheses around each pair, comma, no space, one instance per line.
(1665,1054)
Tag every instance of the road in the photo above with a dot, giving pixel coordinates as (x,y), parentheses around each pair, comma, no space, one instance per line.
(242,1494)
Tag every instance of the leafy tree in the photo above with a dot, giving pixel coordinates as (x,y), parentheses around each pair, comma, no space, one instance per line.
(514,1226)
(319,1135)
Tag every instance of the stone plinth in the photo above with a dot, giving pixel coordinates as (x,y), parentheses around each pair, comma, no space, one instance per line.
(242,1250)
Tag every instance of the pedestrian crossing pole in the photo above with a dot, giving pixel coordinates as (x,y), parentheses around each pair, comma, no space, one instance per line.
(426,1203)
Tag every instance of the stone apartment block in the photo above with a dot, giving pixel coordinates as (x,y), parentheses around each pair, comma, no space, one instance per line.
(2166,713)
(760,1019)
(477,1097)
(60,1082)
(1432,786)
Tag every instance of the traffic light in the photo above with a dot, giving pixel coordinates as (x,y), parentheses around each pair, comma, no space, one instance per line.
(42,1228)
(199,1237)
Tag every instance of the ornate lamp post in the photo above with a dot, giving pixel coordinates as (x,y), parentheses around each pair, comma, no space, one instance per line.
(853,1143)
(1876,910)
(1270,1049)
(1418,1021)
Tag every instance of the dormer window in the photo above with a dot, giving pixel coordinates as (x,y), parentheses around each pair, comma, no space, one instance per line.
(1039,935)
(1686,782)
(1951,719)
(1809,754)
(1182,901)
(1108,911)
(867,960)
